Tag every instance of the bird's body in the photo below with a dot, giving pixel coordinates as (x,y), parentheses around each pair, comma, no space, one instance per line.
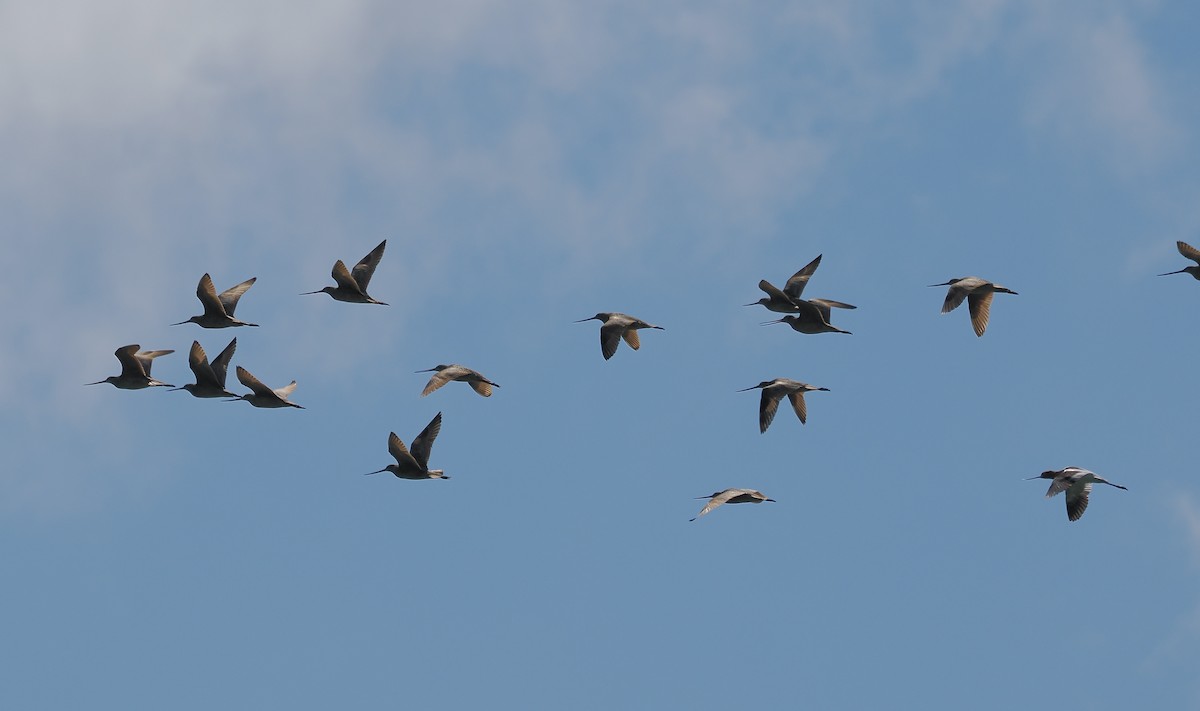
(731,496)
(262,396)
(135,369)
(1077,483)
(1191,253)
(773,392)
(812,316)
(614,327)
(210,377)
(352,285)
(978,293)
(218,308)
(414,464)
(447,373)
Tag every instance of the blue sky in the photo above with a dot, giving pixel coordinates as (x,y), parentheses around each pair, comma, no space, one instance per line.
(531,164)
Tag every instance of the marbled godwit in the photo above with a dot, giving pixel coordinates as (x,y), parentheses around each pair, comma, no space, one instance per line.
(218,308)
(446,373)
(773,391)
(812,316)
(615,327)
(1191,253)
(1077,482)
(415,464)
(775,300)
(210,378)
(135,369)
(261,395)
(978,293)
(352,285)
(783,300)
(731,496)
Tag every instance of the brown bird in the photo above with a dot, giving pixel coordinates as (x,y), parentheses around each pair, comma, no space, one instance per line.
(447,373)
(773,391)
(978,293)
(812,316)
(414,464)
(614,327)
(263,396)
(1191,253)
(352,285)
(135,369)
(210,377)
(218,308)
(731,496)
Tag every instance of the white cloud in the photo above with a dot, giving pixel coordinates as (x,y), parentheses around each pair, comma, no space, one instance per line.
(1095,86)
(1189,515)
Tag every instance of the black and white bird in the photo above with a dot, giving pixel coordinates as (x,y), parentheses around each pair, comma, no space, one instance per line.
(1077,482)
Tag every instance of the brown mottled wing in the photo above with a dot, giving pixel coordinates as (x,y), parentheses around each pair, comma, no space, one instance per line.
(220,366)
(610,338)
(482,387)
(770,290)
(1189,251)
(767,405)
(717,500)
(981,308)
(631,337)
(255,385)
(198,362)
(365,269)
(146,358)
(795,285)
(423,444)
(207,293)
(400,452)
(229,297)
(438,380)
(823,307)
(342,276)
(797,399)
(130,365)
(830,302)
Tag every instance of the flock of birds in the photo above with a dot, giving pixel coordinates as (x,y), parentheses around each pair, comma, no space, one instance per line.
(808,316)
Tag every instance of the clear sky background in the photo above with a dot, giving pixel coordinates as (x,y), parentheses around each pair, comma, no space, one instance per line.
(533,163)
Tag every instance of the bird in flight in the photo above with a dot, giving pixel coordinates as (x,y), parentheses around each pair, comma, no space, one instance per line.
(616,326)
(414,464)
(352,284)
(1077,483)
(978,293)
(730,496)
